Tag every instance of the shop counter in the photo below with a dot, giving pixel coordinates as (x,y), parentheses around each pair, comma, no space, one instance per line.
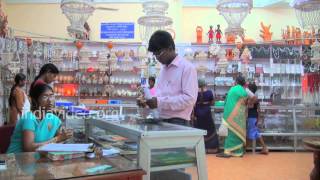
(32,166)
(161,146)
(284,127)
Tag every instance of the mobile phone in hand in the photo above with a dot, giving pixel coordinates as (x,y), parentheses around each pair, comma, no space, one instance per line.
(3,165)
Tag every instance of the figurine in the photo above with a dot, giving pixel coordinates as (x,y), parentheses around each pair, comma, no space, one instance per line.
(293,35)
(298,37)
(307,38)
(199,31)
(218,34)
(288,34)
(231,39)
(210,35)
(247,40)
(313,35)
(266,35)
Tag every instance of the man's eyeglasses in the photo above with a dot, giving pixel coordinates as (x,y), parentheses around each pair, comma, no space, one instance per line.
(158,53)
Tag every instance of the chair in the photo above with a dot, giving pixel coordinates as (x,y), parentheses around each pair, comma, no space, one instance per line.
(5,132)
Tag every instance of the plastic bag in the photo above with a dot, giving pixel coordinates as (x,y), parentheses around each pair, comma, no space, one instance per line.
(223,130)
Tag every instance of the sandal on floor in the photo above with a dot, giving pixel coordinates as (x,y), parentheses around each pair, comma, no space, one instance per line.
(264,151)
(212,151)
(223,155)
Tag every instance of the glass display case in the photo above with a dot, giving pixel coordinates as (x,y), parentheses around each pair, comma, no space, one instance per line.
(157,147)
(284,127)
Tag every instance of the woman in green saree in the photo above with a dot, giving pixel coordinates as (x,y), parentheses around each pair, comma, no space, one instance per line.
(234,117)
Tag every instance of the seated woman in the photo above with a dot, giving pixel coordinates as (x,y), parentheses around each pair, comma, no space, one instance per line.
(40,126)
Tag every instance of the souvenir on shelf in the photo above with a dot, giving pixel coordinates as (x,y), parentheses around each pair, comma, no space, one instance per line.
(298,37)
(218,34)
(266,35)
(142,51)
(188,53)
(210,35)
(199,31)
(247,40)
(246,55)
(236,54)
(222,64)
(231,39)
(214,50)
(229,54)
(315,52)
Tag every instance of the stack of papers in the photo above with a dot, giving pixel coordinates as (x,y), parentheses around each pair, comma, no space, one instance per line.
(60,156)
(66,148)
(110,152)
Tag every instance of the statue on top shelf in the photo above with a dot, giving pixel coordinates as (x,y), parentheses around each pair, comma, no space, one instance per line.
(218,34)
(266,34)
(298,36)
(210,35)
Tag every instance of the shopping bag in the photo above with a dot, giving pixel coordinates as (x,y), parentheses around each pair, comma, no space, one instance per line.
(223,130)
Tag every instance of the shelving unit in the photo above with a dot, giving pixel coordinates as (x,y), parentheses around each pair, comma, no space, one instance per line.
(17,57)
(274,69)
(99,73)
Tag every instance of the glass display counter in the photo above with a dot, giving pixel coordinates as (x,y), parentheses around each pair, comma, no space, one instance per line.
(284,127)
(160,146)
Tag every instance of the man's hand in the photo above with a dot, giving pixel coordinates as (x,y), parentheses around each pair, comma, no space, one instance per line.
(152,103)
(141,102)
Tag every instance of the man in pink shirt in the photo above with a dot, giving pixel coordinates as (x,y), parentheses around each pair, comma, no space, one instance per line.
(177,84)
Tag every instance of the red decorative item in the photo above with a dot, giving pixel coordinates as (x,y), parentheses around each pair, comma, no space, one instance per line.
(79,45)
(69,89)
(229,54)
(29,42)
(218,34)
(109,45)
(199,31)
(210,34)
(90,69)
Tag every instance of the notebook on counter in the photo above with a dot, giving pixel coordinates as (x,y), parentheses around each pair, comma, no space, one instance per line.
(66,148)
(60,156)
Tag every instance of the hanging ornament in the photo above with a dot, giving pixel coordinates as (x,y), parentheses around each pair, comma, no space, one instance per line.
(79,45)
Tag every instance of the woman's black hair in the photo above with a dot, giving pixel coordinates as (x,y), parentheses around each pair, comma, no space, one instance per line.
(151,78)
(161,40)
(47,68)
(36,92)
(240,80)
(19,77)
(253,87)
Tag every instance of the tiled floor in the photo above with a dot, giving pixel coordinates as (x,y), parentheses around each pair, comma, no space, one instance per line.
(275,166)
